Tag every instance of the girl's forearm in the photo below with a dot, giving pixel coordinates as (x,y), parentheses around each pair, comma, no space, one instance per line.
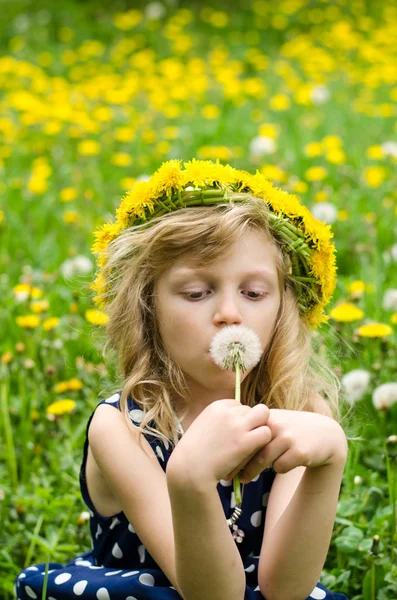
(295,551)
(208,564)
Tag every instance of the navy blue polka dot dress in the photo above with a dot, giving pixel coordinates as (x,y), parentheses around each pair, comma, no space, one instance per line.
(119,567)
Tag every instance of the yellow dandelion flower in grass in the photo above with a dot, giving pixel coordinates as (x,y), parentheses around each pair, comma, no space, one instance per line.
(61,387)
(346,312)
(356,288)
(316,174)
(51,323)
(24,291)
(210,111)
(61,407)
(270,130)
(75,384)
(336,156)
(374,330)
(71,216)
(68,194)
(274,173)
(300,187)
(279,102)
(121,159)
(127,20)
(313,149)
(39,306)
(97,317)
(1,216)
(342,215)
(375,152)
(6,357)
(88,148)
(37,185)
(28,321)
(374,176)
(393,318)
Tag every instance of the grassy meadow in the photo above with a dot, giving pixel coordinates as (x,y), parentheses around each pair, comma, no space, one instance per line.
(94,97)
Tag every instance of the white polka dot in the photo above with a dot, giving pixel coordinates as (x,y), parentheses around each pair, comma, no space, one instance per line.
(91,513)
(226,482)
(32,569)
(51,571)
(130,528)
(22,576)
(265,499)
(95,567)
(166,444)
(250,569)
(318,594)
(159,452)
(113,398)
(130,573)
(79,587)
(131,598)
(146,579)
(30,592)
(112,573)
(141,552)
(117,551)
(82,563)
(256,518)
(62,578)
(102,594)
(114,523)
(51,598)
(136,414)
(98,531)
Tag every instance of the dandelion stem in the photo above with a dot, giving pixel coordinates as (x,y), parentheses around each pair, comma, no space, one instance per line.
(236,480)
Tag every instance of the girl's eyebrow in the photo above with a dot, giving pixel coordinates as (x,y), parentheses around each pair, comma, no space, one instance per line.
(186,272)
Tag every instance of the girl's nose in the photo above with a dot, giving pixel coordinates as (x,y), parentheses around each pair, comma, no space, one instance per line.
(227,310)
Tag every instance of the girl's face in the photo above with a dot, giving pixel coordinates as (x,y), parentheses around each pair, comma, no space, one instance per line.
(194,304)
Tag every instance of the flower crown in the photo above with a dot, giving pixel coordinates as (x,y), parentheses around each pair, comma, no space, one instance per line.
(306,240)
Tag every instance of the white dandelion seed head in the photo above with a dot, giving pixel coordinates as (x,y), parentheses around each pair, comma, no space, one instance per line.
(385,396)
(78,265)
(324,211)
(220,345)
(390,148)
(262,145)
(319,94)
(390,299)
(155,10)
(355,384)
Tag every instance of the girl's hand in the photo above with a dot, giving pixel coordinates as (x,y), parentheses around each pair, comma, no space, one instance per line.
(224,436)
(299,438)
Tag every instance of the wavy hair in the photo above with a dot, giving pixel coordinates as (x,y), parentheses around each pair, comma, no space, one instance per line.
(292,374)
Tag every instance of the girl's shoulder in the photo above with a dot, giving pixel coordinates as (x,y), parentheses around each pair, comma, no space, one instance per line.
(134,411)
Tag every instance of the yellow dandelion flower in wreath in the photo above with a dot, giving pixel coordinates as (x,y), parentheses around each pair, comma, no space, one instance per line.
(306,240)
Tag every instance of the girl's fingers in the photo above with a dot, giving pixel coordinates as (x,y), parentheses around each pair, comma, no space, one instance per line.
(266,457)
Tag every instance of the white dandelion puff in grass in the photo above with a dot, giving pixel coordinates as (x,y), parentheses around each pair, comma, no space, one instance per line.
(385,396)
(355,384)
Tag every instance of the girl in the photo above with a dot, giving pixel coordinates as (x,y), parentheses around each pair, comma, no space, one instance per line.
(191,252)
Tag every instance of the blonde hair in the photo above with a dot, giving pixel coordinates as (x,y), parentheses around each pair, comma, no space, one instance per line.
(291,374)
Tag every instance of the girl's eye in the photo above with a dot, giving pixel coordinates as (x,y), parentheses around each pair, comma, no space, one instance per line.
(190,295)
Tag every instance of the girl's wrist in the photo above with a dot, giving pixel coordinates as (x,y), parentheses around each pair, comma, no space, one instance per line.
(179,473)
